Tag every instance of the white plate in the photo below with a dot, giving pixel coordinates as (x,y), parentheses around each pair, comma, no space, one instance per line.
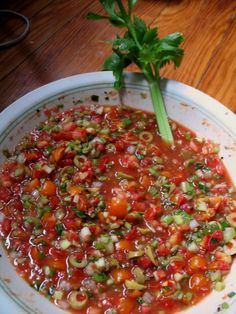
(192,108)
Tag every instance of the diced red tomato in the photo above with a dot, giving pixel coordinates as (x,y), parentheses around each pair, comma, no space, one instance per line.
(120,146)
(197,263)
(126,306)
(211,242)
(146,309)
(125,245)
(69,126)
(132,234)
(182,199)
(37,173)
(145,262)
(162,250)
(5,194)
(5,226)
(152,212)
(80,134)
(199,282)
(118,207)
(129,161)
(57,153)
(6,180)
(33,155)
(219,265)
(48,189)
(154,285)
(48,221)
(176,266)
(120,275)
(57,264)
(54,201)
(32,185)
(194,146)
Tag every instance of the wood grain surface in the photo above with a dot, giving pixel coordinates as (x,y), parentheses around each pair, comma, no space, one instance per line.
(62,42)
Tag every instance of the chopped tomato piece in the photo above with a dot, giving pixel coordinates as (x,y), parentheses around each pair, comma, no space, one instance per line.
(5,226)
(152,212)
(199,282)
(125,245)
(118,207)
(58,264)
(35,254)
(120,146)
(145,262)
(197,263)
(212,241)
(120,275)
(80,134)
(32,185)
(219,265)
(48,221)
(57,153)
(5,194)
(126,305)
(134,294)
(132,234)
(48,189)
(74,189)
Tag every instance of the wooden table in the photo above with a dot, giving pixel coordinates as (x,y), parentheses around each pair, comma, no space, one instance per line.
(63,42)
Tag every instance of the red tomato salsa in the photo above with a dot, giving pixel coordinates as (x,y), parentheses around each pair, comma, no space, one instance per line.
(101,216)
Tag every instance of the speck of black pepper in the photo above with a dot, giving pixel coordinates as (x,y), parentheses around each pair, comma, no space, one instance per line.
(107,98)
(95,98)
(221,157)
(38,110)
(0,255)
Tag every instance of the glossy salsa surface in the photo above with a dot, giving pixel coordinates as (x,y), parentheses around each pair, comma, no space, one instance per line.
(100,216)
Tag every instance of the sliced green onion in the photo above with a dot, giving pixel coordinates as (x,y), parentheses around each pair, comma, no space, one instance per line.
(64,244)
(78,300)
(229,234)
(58,295)
(187,187)
(153,170)
(192,247)
(230,247)
(146,136)
(219,286)
(79,264)
(49,271)
(231,218)
(167,219)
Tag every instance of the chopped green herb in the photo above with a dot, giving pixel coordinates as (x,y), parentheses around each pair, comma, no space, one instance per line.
(100,277)
(231,294)
(59,228)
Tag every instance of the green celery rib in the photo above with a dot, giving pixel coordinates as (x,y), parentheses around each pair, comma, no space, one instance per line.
(160,111)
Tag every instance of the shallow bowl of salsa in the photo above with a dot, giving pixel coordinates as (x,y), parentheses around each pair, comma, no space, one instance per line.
(98,215)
